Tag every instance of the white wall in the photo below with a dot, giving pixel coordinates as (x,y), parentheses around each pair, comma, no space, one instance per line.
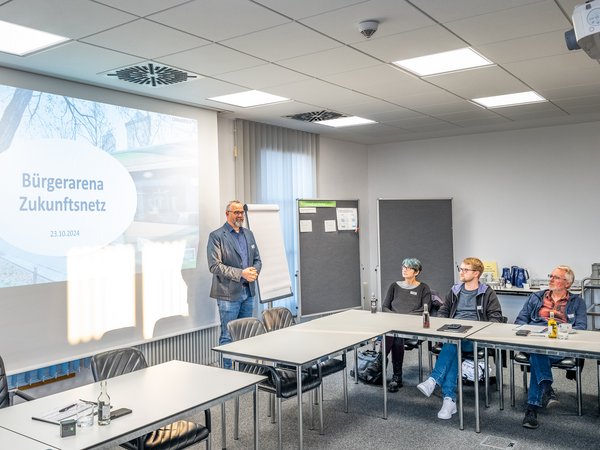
(342,175)
(526,198)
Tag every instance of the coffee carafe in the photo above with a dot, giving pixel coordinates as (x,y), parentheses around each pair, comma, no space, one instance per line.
(521,277)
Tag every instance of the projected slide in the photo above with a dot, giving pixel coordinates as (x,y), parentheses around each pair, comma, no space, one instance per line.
(81,174)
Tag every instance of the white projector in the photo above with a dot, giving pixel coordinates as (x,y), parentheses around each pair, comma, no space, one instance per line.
(586,23)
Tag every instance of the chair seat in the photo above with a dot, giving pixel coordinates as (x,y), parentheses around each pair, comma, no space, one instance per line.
(287,380)
(331,366)
(565,363)
(437,348)
(411,344)
(175,436)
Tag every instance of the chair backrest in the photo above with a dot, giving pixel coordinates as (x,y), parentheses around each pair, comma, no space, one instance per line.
(117,362)
(277,318)
(244,328)
(4,395)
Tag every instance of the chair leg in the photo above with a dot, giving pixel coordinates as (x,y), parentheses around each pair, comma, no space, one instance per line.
(236,418)
(598,376)
(486,375)
(525,384)
(269,407)
(272,406)
(208,442)
(356,365)
(321,411)
(345,382)
(311,402)
(279,437)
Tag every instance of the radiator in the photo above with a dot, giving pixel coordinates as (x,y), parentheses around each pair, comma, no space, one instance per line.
(192,347)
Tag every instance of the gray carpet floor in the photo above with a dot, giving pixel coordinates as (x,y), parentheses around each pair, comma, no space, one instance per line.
(412,421)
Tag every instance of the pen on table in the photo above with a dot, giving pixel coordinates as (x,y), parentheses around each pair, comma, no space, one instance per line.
(66,408)
(89,402)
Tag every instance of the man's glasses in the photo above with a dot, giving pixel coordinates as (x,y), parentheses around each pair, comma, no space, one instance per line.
(556,278)
(236,213)
(464,269)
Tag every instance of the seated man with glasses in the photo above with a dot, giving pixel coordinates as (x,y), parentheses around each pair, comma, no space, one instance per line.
(567,307)
(235,263)
(467,300)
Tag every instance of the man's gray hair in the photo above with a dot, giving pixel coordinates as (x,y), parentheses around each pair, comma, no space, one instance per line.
(569,274)
(228,208)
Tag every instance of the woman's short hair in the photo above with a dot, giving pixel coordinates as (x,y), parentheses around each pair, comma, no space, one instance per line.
(413,263)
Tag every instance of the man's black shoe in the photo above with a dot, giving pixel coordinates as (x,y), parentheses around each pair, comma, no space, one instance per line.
(530,420)
(395,384)
(549,398)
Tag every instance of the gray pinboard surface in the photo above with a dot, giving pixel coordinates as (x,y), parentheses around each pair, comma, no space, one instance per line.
(329,264)
(419,229)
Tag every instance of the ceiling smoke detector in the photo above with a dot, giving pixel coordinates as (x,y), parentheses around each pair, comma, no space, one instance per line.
(368,27)
(316,116)
(152,75)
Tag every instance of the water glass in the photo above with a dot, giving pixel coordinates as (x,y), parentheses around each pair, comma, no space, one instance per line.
(85,415)
(564,329)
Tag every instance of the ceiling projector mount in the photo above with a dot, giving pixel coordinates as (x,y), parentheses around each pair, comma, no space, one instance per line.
(368,27)
(585,33)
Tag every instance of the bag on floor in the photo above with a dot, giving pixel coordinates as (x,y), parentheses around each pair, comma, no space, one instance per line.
(369,367)
(468,370)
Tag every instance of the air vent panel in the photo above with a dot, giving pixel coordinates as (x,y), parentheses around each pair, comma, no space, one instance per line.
(316,116)
(152,75)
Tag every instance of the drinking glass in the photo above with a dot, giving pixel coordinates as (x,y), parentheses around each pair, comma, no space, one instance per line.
(85,415)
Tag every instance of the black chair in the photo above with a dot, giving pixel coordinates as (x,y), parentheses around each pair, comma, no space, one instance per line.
(277,318)
(568,363)
(281,381)
(175,436)
(6,396)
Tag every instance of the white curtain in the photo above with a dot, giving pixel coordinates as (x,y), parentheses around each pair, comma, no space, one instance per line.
(277,165)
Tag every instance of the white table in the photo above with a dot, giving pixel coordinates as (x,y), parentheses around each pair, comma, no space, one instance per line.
(157,395)
(581,344)
(13,441)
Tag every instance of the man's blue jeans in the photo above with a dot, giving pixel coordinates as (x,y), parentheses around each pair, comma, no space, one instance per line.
(445,372)
(541,370)
(230,310)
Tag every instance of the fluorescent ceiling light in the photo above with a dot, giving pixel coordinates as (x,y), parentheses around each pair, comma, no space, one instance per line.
(464,58)
(249,98)
(20,40)
(345,122)
(520,98)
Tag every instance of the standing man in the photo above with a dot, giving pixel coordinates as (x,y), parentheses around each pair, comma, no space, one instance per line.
(467,300)
(234,261)
(567,308)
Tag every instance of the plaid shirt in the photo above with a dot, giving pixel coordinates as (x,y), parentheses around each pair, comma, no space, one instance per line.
(559,307)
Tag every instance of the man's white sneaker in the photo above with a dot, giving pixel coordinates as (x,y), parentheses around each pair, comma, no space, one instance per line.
(448,408)
(427,386)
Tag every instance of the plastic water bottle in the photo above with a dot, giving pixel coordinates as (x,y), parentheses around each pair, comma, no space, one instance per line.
(373,303)
(103,405)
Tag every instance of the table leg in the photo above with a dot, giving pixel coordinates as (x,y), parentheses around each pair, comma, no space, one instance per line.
(460,386)
(299,395)
(511,372)
(384,376)
(486,377)
(255,395)
(476,383)
(223,420)
(355,365)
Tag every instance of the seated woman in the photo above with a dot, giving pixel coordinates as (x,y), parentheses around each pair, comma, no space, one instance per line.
(404,297)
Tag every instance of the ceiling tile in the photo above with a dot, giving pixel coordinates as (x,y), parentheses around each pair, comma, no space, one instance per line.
(481,82)
(382,81)
(69,18)
(424,41)
(446,11)
(282,42)
(531,111)
(422,123)
(159,40)
(210,60)
(393,16)
(216,20)
(458,107)
(570,91)
(434,97)
(317,92)
(142,7)
(458,117)
(526,48)
(261,77)
(329,62)
(528,20)
(376,107)
(307,8)
(573,68)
